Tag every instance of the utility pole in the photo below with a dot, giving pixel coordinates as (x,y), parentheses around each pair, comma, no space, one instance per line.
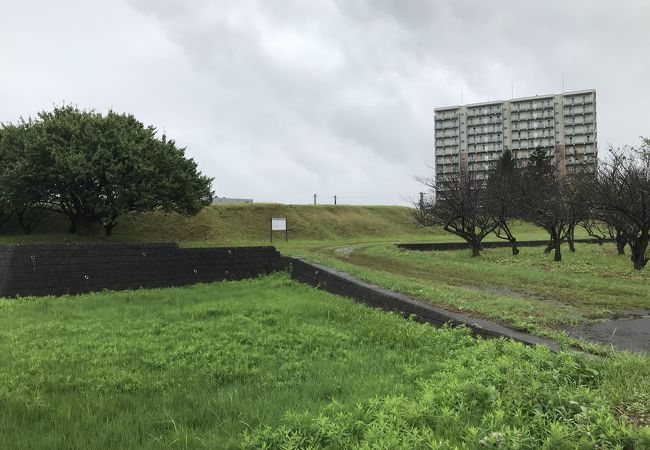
(335,200)
(314,199)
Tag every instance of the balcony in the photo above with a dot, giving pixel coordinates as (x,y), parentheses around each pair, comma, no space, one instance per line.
(579,132)
(484,121)
(451,132)
(579,120)
(483,142)
(529,137)
(523,125)
(526,106)
(578,101)
(445,126)
(579,110)
(480,131)
(480,112)
(533,116)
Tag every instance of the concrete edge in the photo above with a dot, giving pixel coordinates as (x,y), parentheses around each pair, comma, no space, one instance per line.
(341,283)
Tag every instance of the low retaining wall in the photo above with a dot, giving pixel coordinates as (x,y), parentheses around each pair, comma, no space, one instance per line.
(76,268)
(342,284)
(497,244)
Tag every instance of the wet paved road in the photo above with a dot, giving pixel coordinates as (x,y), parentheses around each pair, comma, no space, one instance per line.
(627,334)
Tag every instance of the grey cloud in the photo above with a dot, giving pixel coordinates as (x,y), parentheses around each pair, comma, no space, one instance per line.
(278,100)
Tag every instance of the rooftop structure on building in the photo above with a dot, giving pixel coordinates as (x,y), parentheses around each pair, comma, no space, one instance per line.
(475,135)
(230,201)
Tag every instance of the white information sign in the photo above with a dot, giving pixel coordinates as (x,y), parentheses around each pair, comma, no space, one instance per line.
(278,224)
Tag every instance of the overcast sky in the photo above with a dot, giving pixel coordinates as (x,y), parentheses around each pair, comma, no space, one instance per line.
(281,99)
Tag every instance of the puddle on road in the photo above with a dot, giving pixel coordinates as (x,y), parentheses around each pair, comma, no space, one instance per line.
(625,334)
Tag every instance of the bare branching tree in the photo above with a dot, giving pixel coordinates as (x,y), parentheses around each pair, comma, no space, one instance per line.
(549,200)
(611,201)
(620,194)
(502,189)
(459,204)
(603,227)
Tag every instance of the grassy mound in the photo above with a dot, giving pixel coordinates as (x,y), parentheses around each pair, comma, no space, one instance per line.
(244,224)
(249,225)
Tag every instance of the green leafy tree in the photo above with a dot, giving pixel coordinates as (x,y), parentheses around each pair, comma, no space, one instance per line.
(22,191)
(95,168)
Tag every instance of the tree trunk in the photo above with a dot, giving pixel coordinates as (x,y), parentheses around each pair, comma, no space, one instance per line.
(572,244)
(557,244)
(82,225)
(639,260)
(475,246)
(29,218)
(549,247)
(621,242)
(73,224)
(24,224)
(515,250)
(509,237)
(638,252)
(108,229)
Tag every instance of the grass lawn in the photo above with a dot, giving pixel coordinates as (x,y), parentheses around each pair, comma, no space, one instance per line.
(529,291)
(268,363)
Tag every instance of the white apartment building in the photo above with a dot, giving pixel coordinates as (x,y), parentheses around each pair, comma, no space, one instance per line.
(475,135)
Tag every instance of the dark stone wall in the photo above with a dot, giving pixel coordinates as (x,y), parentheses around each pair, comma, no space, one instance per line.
(498,244)
(75,268)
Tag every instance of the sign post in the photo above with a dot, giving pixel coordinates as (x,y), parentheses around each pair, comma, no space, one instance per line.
(279,224)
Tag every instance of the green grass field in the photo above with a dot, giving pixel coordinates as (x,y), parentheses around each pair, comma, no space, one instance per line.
(268,363)
(528,291)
